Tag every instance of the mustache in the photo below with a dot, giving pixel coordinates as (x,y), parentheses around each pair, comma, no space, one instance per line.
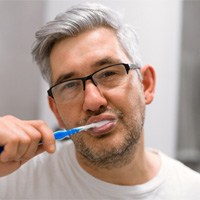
(102,110)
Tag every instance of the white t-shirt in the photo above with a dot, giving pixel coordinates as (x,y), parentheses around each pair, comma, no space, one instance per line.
(59,176)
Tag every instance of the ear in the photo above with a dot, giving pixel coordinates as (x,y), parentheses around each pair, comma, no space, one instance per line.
(149,82)
(52,105)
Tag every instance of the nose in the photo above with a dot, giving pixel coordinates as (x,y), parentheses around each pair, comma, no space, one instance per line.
(93,98)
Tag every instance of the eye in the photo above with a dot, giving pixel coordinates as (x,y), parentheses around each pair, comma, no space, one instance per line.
(108,74)
(70,85)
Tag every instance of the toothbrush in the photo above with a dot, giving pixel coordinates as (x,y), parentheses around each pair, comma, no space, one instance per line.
(62,134)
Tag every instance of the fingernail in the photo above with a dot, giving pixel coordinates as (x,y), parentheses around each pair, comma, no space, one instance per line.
(52,148)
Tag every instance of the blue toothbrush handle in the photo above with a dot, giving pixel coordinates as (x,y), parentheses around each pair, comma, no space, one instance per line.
(59,135)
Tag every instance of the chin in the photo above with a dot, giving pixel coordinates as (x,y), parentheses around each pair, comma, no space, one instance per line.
(107,150)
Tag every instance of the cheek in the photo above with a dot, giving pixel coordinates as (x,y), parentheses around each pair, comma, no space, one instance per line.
(135,93)
(129,99)
(126,96)
(70,114)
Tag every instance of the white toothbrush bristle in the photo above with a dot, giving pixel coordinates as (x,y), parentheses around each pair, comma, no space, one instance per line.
(101,123)
(95,125)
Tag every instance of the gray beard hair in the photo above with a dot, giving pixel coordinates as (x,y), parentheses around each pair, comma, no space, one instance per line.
(116,157)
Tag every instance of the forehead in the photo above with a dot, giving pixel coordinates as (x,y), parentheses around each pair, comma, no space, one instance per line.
(81,53)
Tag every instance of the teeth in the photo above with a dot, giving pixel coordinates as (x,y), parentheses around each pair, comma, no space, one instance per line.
(94,125)
(101,123)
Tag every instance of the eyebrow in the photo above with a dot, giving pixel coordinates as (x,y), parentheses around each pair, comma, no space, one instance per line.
(99,63)
(63,77)
(106,61)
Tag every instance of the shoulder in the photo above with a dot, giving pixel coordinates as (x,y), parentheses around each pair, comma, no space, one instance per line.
(180,169)
(175,168)
(182,179)
(178,180)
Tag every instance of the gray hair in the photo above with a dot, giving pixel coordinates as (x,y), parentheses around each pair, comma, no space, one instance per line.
(76,20)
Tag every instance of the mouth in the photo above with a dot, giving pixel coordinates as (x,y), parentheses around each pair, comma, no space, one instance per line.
(104,129)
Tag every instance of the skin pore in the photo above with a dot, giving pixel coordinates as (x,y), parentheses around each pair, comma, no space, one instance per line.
(118,156)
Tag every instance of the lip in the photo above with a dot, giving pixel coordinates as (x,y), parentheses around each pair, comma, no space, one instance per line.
(105,129)
(103,117)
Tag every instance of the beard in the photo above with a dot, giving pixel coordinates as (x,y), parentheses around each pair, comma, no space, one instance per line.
(103,152)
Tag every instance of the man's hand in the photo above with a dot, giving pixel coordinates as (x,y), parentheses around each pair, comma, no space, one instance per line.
(20,140)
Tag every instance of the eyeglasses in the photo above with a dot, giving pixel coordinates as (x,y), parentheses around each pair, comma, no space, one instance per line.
(106,78)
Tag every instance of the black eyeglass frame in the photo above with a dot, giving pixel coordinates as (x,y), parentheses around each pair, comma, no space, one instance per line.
(90,77)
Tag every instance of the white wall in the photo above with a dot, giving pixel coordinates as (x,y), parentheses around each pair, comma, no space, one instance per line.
(158,23)
(19,77)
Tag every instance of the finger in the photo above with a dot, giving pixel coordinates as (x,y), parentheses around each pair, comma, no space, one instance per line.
(47,135)
(13,151)
(40,150)
(21,138)
(9,152)
(10,141)
(35,136)
(17,147)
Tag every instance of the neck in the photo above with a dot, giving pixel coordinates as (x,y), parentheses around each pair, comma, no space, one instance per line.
(142,167)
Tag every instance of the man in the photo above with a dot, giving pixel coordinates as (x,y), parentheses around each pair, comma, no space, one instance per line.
(90,59)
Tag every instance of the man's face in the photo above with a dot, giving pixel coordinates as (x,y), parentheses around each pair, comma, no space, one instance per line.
(124,105)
